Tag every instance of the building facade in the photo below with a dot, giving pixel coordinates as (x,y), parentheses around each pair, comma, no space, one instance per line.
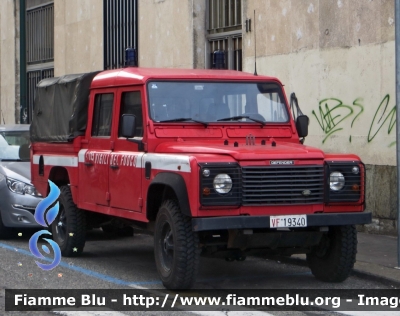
(337,56)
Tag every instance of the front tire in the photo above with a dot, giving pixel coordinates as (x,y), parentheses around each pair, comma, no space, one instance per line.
(334,258)
(175,247)
(69,227)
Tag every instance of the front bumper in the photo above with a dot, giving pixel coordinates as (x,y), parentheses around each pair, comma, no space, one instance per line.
(257,222)
(17,210)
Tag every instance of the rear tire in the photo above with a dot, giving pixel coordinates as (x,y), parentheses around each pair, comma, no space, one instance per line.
(175,247)
(334,258)
(69,227)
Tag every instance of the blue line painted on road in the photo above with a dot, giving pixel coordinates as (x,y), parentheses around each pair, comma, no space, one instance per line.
(85,271)
(111,279)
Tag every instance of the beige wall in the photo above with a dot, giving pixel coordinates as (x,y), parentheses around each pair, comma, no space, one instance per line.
(78,42)
(338,57)
(171,33)
(8,69)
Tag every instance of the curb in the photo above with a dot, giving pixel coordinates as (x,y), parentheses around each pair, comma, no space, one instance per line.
(356,272)
(376,278)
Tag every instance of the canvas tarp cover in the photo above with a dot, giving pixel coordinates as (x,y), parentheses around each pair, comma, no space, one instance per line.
(60,108)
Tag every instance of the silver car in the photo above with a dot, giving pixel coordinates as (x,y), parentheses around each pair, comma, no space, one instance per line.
(18,197)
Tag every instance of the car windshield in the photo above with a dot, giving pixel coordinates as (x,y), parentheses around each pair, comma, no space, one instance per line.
(234,102)
(14,145)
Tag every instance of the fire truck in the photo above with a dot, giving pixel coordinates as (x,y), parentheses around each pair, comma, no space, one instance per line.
(212,162)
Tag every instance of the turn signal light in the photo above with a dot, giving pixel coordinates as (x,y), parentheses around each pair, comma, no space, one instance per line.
(206,191)
(355,187)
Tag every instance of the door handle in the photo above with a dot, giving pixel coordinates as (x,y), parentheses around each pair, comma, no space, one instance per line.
(114,167)
(88,163)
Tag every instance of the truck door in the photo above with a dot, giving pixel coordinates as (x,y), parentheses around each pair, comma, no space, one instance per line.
(125,162)
(95,167)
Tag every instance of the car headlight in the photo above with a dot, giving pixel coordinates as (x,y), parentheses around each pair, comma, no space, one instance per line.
(222,183)
(23,188)
(336,181)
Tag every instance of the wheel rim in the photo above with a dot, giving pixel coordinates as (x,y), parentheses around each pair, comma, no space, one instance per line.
(167,247)
(323,248)
(61,225)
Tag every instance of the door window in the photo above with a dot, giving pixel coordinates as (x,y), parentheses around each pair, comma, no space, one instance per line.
(131,103)
(102,118)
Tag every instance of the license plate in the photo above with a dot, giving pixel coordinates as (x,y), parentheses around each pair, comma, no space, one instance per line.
(288,221)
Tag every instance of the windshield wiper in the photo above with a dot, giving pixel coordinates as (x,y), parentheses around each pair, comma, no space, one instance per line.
(184,119)
(235,118)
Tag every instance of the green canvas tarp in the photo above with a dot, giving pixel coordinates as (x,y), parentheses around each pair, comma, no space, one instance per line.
(61,108)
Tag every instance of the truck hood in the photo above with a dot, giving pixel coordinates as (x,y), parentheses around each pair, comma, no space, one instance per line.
(282,150)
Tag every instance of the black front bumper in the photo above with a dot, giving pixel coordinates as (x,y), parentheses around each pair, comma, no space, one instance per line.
(254,222)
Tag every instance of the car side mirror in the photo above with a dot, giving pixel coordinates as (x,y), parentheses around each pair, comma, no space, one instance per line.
(128,125)
(302,122)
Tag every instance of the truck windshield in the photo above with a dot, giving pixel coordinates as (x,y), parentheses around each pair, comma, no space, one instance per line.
(235,102)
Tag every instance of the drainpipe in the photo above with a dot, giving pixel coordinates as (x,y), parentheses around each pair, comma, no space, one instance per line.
(22,62)
(397,52)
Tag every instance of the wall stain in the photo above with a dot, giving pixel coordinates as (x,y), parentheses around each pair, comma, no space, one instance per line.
(332,113)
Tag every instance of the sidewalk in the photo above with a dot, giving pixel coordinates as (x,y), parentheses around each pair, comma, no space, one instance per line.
(376,258)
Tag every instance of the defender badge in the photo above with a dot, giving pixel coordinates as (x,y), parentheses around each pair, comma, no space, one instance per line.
(282,162)
(306,192)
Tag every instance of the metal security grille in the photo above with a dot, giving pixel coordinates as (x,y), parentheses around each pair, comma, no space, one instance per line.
(282,185)
(237,53)
(224,15)
(33,78)
(225,32)
(120,31)
(40,34)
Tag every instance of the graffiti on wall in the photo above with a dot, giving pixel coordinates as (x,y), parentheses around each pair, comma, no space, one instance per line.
(333,115)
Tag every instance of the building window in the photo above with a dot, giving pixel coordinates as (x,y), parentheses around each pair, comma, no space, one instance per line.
(34,77)
(120,31)
(39,49)
(40,34)
(225,32)
(224,15)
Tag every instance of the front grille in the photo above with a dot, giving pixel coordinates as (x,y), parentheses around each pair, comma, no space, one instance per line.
(283,185)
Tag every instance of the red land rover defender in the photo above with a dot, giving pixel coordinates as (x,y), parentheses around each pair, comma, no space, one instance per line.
(211,161)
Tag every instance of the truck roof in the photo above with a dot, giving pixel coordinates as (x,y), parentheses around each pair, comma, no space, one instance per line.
(138,75)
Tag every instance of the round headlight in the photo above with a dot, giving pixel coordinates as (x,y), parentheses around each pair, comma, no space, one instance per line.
(336,181)
(222,183)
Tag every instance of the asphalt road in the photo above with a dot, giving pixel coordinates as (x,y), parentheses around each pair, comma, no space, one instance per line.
(126,263)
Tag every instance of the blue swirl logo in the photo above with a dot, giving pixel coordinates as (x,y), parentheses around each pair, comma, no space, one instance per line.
(45,219)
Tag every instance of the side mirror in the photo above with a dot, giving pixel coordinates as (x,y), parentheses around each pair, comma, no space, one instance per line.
(128,125)
(302,125)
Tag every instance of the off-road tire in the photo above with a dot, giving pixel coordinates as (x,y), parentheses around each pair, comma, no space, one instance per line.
(71,235)
(334,258)
(5,232)
(178,265)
